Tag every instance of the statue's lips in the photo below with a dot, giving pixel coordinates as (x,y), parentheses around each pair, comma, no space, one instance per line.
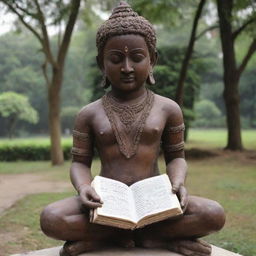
(127,79)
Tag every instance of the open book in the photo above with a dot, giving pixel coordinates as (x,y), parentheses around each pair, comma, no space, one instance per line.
(144,202)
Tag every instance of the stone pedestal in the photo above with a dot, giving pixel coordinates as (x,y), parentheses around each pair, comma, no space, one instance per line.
(216,251)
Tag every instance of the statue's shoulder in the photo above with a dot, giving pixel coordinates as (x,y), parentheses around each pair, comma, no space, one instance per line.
(87,112)
(169,106)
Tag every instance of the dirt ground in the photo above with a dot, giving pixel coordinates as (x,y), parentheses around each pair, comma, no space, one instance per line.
(15,186)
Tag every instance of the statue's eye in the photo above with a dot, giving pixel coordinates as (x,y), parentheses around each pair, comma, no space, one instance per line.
(115,58)
(137,57)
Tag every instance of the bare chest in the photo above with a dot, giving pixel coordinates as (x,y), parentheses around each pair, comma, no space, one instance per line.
(151,131)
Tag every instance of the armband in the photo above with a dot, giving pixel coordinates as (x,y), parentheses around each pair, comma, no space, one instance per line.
(81,135)
(82,144)
(176,129)
(174,147)
(80,152)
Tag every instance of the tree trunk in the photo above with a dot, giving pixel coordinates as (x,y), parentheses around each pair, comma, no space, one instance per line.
(54,117)
(12,124)
(231,76)
(232,103)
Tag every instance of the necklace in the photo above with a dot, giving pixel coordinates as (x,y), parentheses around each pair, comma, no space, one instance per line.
(127,121)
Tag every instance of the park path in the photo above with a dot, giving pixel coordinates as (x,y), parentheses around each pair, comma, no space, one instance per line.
(13,187)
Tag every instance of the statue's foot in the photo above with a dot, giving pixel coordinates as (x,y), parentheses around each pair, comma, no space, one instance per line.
(78,247)
(187,247)
(194,247)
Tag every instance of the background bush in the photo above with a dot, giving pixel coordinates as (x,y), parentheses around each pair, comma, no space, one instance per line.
(30,152)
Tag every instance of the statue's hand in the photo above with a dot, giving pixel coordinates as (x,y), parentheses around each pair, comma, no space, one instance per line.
(182,194)
(89,197)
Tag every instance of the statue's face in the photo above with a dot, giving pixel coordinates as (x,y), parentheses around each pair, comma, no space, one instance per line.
(126,62)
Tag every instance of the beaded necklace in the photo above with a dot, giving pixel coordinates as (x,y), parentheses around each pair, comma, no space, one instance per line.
(127,121)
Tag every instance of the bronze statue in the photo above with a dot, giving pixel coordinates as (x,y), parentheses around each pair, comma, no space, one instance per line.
(127,126)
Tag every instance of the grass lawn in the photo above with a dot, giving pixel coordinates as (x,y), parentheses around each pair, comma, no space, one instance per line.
(30,140)
(199,138)
(228,178)
(217,138)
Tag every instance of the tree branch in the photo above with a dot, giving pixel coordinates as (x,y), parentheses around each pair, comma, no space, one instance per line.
(44,68)
(21,18)
(179,95)
(25,11)
(206,30)
(247,57)
(239,30)
(68,31)
(46,42)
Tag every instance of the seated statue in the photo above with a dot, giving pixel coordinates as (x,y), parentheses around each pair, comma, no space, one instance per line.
(128,125)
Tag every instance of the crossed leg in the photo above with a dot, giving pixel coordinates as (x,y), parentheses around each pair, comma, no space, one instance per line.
(202,217)
(67,220)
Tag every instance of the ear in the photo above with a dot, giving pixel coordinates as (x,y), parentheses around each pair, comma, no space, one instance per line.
(153,59)
(100,63)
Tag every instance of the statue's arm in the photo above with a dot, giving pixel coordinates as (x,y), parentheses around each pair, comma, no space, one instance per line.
(173,148)
(82,155)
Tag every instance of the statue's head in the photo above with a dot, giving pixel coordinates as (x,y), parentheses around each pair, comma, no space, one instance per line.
(125,25)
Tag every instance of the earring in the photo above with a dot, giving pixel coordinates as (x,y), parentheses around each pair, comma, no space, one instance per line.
(151,79)
(105,83)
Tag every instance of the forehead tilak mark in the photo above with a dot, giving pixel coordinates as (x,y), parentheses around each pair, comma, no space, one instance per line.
(125,49)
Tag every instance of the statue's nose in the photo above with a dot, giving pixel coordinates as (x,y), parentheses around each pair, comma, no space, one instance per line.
(127,66)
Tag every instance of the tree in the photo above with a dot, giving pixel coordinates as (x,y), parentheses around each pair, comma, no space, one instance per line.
(232,24)
(167,13)
(179,97)
(14,107)
(166,73)
(37,16)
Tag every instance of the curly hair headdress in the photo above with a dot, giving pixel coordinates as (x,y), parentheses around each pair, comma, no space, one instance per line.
(122,21)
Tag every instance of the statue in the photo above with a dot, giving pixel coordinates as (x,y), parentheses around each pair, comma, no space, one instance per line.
(128,125)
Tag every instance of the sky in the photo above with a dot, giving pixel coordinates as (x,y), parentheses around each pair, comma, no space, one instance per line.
(6,21)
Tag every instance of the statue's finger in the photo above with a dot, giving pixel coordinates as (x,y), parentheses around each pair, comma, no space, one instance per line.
(175,188)
(93,195)
(183,196)
(91,204)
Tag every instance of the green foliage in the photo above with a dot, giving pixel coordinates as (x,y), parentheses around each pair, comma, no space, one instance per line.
(163,12)
(68,115)
(248,98)
(166,74)
(208,115)
(20,71)
(14,107)
(21,59)
(30,152)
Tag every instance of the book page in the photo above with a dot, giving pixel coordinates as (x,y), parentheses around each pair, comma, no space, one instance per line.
(116,197)
(153,195)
